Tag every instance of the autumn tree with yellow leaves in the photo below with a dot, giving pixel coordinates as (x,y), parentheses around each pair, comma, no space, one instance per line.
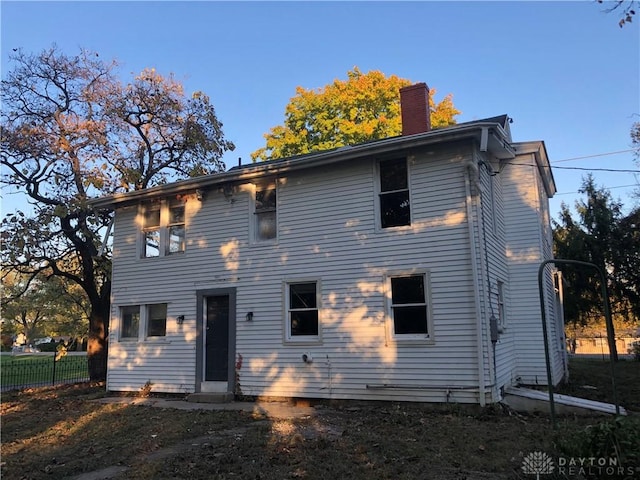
(364,107)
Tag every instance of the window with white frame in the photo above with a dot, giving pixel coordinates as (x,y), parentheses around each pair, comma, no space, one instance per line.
(146,321)
(130,322)
(163,228)
(151,231)
(408,306)
(176,237)
(502,316)
(265,215)
(394,198)
(302,301)
(156,321)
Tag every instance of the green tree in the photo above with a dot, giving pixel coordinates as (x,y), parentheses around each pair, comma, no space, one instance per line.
(42,306)
(71,131)
(602,235)
(364,107)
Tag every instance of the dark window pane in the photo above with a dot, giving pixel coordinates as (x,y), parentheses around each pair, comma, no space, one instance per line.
(157,324)
(407,320)
(176,214)
(393,175)
(130,322)
(407,290)
(395,210)
(152,218)
(304,322)
(266,199)
(302,295)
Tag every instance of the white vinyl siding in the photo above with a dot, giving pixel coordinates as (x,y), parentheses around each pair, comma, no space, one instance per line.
(528,245)
(327,229)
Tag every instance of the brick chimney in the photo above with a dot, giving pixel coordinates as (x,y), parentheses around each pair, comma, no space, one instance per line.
(414,107)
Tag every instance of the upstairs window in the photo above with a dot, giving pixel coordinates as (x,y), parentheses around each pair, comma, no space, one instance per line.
(395,205)
(151,231)
(175,228)
(265,213)
(163,229)
(408,307)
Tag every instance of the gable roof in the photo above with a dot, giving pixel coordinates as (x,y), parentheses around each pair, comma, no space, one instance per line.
(492,134)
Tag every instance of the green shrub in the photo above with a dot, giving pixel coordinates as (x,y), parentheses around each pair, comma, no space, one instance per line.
(613,438)
(635,351)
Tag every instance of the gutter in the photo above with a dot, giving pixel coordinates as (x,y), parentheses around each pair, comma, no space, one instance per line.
(471,167)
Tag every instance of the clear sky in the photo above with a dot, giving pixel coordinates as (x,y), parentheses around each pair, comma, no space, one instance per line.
(564,71)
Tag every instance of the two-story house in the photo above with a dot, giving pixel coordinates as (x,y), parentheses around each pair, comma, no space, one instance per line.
(398,269)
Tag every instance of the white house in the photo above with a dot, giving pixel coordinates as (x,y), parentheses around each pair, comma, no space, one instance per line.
(398,269)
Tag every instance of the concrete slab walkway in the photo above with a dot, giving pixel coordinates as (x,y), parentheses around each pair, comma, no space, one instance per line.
(281,410)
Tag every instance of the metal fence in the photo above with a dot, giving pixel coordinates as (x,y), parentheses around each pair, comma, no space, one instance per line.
(38,370)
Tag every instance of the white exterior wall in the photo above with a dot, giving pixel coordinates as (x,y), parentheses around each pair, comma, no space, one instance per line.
(495,269)
(326,231)
(527,246)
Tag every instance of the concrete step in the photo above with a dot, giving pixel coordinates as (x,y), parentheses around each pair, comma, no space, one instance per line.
(210,397)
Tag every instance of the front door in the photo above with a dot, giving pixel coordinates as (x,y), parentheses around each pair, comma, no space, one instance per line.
(216,361)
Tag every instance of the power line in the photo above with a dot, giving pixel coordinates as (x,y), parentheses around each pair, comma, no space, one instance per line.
(607,188)
(592,156)
(599,169)
(579,168)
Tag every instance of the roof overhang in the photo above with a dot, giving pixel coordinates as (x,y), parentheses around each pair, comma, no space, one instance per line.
(490,135)
(539,152)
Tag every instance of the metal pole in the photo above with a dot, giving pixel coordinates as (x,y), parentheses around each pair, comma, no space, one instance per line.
(53,379)
(543,311)
(610,330)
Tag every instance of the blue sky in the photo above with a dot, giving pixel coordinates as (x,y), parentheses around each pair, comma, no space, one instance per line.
(564,71)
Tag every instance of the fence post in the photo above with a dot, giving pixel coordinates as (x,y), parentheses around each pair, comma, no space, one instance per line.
(53,380)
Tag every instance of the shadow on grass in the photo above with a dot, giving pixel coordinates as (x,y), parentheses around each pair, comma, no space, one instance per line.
(59,433)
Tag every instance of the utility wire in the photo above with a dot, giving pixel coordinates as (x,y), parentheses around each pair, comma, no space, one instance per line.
(608,188)
(578,168)
(592,156)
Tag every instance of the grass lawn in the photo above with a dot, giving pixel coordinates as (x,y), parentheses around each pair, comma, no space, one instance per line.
(591,378)
(38,369)
(353,440)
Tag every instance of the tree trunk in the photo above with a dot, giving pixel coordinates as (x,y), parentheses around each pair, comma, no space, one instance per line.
(97,347)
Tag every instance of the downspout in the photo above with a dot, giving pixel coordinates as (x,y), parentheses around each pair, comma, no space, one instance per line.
(472,168)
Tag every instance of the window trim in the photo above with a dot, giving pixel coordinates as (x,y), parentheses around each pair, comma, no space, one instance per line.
(253,214)
(420,338)
(289,339)
(502,307)
(121,314)
(378,193)
(143,324)
(164,228)
(147,321)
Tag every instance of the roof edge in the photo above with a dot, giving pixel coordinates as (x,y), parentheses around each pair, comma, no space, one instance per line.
(250,172)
